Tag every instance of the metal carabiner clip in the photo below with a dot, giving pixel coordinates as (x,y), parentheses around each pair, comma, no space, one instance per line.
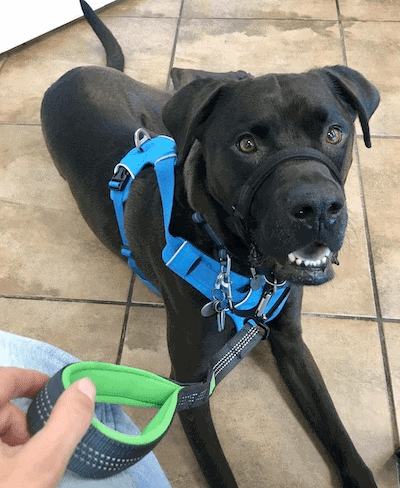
(266,297)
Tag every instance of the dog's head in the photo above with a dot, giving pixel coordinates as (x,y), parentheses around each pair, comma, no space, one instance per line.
(265,160)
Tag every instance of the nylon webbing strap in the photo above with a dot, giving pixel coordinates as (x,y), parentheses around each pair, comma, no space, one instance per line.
(103,451)
(195,394)
(124,173)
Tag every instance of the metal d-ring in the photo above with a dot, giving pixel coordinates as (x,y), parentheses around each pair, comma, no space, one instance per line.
(140,141)
(275,284)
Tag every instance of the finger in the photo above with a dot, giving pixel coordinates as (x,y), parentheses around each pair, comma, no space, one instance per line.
(17,382)
(47,453)
(13,427)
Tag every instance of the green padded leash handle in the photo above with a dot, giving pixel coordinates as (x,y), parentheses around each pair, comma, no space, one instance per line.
(103,451)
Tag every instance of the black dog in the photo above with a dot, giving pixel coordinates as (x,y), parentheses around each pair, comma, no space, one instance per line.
(226,127)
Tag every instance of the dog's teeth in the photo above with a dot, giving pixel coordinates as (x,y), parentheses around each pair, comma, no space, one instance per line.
(310,263)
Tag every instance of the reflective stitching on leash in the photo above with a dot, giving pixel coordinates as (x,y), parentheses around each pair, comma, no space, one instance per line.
(233,353)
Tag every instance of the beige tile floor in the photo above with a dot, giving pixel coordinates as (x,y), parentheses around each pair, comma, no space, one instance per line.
(58,284)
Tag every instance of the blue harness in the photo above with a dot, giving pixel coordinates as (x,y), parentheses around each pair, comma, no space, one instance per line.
(229,293)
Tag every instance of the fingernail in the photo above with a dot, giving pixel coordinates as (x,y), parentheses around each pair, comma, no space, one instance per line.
(86,386)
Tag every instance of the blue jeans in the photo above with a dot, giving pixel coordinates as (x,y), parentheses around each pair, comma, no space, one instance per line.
(27,353)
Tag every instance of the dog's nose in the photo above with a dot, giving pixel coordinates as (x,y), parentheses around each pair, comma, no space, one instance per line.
(314,208)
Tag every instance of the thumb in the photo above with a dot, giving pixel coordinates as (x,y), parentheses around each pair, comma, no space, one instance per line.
(52,447)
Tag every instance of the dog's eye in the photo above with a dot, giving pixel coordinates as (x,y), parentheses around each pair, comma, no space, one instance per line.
(247,144)
(334,135)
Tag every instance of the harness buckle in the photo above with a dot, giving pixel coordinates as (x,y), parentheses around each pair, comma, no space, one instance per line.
(119,179)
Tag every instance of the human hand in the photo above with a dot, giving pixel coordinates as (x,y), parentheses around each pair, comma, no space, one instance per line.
(40,461)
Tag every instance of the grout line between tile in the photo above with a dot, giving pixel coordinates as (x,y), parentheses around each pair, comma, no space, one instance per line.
(125,321)
(382,136)
(62,299)
(171,63)
(8,124)
(3,60)
(151,305)
(379,318)
(136,304)
(371,21)
(341,30)
(83,300)
(264,19)
(362,318)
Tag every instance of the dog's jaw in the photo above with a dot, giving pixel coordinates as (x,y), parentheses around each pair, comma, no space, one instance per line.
(304,267)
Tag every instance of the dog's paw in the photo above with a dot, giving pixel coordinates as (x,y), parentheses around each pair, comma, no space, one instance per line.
(359,479)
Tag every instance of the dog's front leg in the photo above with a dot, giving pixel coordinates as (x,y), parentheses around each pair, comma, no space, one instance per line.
(199,428)
(304,380)
(192,341)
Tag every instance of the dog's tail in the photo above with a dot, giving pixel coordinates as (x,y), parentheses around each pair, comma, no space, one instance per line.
(114,54)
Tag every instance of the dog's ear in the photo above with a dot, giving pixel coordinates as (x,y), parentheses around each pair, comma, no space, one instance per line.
(182,76)
(184,113)
(360,95)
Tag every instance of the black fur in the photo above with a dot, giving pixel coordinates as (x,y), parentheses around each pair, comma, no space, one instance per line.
(89,117)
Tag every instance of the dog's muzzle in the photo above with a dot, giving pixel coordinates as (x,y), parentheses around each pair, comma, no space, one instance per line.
(238,205)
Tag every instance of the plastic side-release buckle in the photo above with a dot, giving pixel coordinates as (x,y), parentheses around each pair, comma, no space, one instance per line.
(119,179)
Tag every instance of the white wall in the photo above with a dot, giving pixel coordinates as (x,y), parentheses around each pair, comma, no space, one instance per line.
(23,20)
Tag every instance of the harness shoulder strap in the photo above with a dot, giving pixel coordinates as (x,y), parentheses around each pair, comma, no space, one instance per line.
(145,153)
